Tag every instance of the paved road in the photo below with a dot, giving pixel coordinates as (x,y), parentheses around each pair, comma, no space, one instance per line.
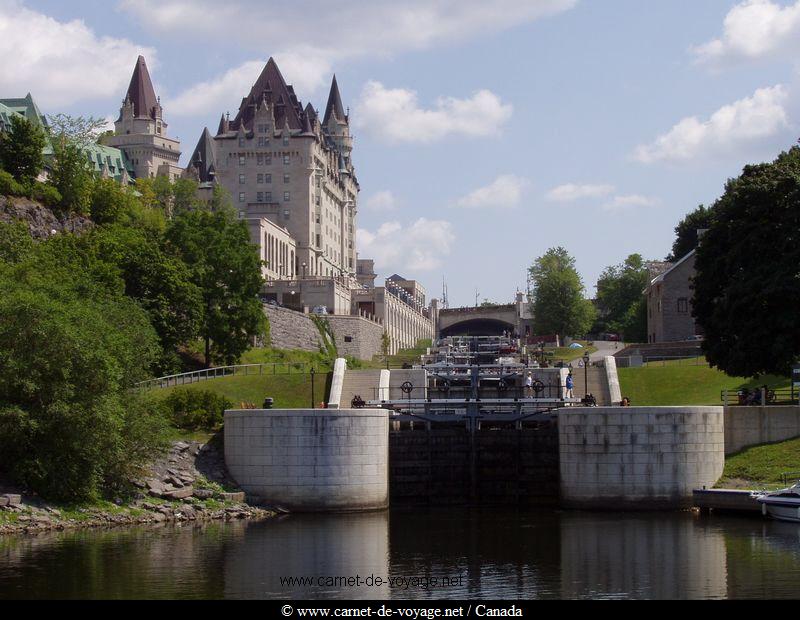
(605,349)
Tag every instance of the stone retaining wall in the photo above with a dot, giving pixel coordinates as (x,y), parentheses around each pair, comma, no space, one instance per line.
(292,330)
(311,460)
(356,336)
(639,457)
(753,426)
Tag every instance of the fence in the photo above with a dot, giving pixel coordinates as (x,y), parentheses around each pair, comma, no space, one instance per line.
(187,378)
(760,396)
(660,361)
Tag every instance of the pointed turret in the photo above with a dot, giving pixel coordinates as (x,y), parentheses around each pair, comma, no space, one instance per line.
(272,82)
(335,106)
(204,157)
(141,92)
(224,125)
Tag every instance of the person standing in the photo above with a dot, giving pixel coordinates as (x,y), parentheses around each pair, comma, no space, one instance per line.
(570,386)
(529,385)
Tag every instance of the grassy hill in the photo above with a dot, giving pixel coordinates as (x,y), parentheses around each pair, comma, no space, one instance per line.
(761,466)
(675,384)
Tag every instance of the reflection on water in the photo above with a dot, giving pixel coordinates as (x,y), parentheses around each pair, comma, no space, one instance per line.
(452,553)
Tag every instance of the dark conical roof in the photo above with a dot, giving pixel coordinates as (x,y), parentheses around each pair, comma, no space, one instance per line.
(272,87)
(334,106)
(204,157)
(141,91)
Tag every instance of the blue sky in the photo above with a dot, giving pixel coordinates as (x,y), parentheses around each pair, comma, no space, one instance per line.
(485,132)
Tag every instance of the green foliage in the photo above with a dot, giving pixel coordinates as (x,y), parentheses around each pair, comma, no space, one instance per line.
(620,304)
(686,232)
(328,347)
(46,194)
(111,203)
(15,242)
(70,350)
(559,306)
(9,185)
(763,465)
(226,268)
(161,283)
(747,285)
(197,408)
(169,197)
(21,149)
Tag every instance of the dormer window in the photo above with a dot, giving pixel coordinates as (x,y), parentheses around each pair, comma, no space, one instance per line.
(285,140)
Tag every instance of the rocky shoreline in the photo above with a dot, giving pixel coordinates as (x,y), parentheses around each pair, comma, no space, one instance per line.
(190,484)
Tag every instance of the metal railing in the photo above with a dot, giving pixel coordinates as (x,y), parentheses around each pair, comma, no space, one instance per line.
(790,477)
(187,378)
(760,396)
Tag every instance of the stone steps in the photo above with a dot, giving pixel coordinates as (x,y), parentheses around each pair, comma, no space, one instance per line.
(363,383)
(597,384)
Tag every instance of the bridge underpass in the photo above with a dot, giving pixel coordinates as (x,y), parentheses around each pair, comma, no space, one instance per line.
(482,321)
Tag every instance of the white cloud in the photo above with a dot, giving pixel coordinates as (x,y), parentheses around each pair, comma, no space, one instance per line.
(733,126)
(504,192)
(346,28)
(572,192)
(633,201)
(382,201)
(394,115)
(61,63)
(419,247)
(753,30)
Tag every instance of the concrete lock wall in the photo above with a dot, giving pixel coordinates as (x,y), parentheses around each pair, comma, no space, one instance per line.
(639,457)
(311,460)
(753,426)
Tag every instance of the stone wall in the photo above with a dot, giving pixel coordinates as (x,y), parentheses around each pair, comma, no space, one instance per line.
(311,460)
(753,426)
(292,330)
(449,466)
(356,336)
(639,457)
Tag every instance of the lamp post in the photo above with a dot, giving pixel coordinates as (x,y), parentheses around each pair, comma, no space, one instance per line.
(313,400)
(304,271)
(586,359)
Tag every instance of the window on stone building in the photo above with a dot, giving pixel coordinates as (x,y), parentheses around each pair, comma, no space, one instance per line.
(268,159)
(261,141)
(260,196)
(287,160)
(260,159)
(241,196)
(348,339)
(286,178)
(242,179)
(286,196)
(242,160)
(268,196)
(241,141)
(683,306)
(285,140)
(260,179)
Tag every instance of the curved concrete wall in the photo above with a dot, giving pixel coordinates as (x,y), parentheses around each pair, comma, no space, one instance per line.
(638,457)
(311,460)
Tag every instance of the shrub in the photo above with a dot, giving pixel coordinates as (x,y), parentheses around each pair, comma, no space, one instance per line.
(9,186)
(195,409)
(48,195)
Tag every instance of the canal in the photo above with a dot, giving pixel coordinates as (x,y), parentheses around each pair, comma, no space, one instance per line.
(441,553)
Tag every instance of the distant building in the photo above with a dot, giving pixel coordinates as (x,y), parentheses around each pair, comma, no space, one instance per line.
(669,302)
(141,132)
(107,162)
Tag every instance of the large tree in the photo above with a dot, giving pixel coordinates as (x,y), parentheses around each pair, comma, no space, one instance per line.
(620,299)
(686,237)
(21,150)
(559,305)
(226,268)
(747,285)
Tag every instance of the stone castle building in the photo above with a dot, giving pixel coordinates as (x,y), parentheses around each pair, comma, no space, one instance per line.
(140,132)
(669,302)
(290,174)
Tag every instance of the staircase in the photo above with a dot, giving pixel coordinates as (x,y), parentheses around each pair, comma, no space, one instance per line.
(598,384)
(359,382)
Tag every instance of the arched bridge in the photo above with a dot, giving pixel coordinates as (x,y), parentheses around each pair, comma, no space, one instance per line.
(481,321)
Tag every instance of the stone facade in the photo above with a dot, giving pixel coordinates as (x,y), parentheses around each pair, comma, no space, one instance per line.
(141,132)
(276,247)
(669,303)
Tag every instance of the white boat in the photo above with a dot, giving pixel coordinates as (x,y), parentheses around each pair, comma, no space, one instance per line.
(783,505)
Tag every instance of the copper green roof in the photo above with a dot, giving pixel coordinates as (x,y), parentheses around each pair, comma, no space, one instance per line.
(27,108)
(100,156)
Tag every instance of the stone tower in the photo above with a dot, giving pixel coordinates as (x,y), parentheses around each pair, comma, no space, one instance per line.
(141,133)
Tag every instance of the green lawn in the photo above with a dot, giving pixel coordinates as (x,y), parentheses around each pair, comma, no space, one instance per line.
(565,354)
(289,391)
(761,466)
(404,356)
(673,384)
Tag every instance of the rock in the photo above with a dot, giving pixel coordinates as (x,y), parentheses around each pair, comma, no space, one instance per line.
(155,487)
(176,482)
(13,500)
(179,493)
(3,501)
(181,446)
(232,497)
(203,493)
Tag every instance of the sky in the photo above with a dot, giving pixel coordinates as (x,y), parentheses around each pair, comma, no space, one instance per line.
(485,132)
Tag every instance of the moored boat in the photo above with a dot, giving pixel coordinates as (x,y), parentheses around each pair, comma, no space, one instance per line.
(783,505)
